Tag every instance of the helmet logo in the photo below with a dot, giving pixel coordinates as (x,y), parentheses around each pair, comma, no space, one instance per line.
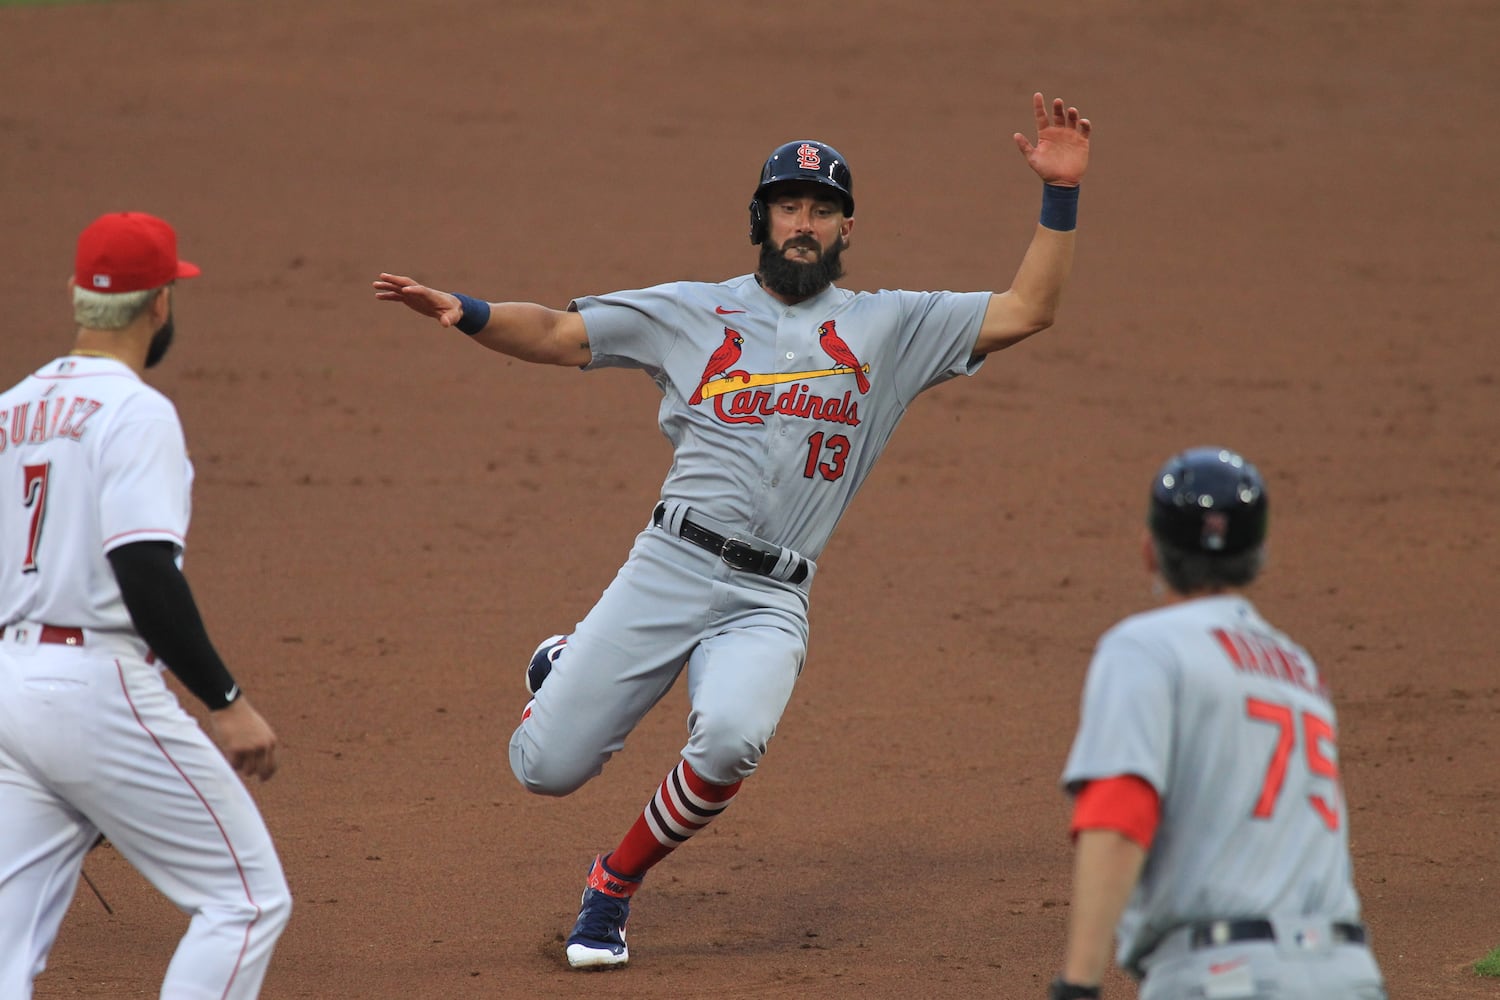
(1215,530)
(807,157)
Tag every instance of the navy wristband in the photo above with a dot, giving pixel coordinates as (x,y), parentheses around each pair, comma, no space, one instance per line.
(1059,207)
(476,314)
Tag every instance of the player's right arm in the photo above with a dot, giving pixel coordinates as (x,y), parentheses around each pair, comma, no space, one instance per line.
(1106,866)
(1114,822)
(166,616)
(523,330)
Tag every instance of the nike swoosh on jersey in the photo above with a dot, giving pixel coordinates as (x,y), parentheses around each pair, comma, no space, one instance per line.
(726,312)
(232,693)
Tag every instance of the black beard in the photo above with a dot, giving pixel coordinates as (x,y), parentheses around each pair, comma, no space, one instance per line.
(797,280)
(160,341)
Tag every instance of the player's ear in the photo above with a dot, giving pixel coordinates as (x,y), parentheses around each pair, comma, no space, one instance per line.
(161,306)
(845,232)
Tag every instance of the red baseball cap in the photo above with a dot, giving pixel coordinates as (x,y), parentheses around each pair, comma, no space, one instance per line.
(129,252)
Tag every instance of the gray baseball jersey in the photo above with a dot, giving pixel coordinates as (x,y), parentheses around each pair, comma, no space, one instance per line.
(776,414)
(1229,720)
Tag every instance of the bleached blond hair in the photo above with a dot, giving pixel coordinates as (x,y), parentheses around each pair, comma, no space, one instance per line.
(109,311)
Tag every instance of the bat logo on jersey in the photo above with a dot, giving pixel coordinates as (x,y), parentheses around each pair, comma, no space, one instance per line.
(719,363)
(808,158)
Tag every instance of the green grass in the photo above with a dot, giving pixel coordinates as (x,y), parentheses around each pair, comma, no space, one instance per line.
(1489,965)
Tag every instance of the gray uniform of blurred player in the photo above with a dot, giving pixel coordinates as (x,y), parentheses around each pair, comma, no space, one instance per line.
(779,392)
(1201,719)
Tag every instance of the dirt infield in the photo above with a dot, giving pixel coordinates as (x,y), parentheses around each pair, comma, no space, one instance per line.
(1288,231)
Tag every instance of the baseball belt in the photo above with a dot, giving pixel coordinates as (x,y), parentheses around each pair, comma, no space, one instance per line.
(1211,933)
(54,634)
(738,553)
(65,635)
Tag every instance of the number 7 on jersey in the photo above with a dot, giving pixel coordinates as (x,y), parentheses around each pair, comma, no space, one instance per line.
(34,495)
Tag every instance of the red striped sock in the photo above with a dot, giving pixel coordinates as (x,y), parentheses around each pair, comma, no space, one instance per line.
(683,805)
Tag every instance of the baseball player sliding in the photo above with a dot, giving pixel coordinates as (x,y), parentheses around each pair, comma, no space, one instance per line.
(1212,836)
(779,392)
(95,490)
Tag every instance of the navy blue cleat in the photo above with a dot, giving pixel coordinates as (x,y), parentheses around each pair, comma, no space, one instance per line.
(540,667)
(598,938)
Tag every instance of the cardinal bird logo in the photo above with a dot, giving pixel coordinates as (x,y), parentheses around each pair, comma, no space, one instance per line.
(834,346)
(719,364)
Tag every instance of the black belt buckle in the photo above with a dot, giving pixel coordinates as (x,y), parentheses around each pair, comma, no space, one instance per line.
(1214,933)
(737,553)
(741,555)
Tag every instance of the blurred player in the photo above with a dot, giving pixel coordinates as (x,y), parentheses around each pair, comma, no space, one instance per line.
(1212,836)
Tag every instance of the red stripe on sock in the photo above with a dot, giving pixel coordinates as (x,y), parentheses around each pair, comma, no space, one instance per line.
(640,849)
(704,789)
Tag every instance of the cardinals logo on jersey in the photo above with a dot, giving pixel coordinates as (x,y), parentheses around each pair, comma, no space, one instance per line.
(743,397)
(720,363)
(833,345)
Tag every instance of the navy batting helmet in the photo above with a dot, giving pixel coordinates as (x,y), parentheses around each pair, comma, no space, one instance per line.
(802,160)
(1210,501)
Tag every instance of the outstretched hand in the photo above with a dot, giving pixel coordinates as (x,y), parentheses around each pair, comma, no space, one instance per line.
(1061,153)
(441,306)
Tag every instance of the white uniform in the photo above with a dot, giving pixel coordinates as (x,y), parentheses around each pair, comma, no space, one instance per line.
(1230,722)
(91,738)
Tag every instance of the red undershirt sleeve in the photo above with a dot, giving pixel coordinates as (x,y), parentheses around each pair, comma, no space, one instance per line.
(1126,804)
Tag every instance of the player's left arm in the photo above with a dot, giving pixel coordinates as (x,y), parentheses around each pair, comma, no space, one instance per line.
(1060,158)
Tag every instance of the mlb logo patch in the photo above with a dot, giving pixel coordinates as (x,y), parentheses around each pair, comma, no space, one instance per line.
(101,281)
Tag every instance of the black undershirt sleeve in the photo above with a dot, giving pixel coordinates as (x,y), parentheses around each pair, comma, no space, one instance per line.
(166,616)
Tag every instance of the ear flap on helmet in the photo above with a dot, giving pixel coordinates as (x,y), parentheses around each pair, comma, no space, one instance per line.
(758,222)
